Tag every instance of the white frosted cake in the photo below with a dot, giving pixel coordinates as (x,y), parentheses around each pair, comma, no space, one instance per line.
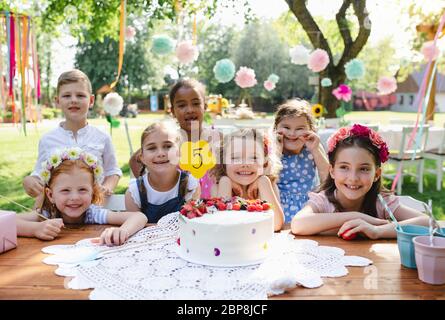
(225,237)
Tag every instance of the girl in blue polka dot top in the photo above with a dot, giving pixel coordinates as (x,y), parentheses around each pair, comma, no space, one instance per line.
(302,155)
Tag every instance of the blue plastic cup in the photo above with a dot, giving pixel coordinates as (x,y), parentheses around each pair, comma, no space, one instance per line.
(441,232)
(406,245)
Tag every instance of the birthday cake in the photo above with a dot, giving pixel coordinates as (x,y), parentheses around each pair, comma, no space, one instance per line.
(234,232)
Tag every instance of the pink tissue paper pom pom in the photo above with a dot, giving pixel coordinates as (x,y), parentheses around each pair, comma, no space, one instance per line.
(343,92)
(245,77)
(387,85)
(269,85)
(187,52)
(318,60)
(429,50)
(130,32)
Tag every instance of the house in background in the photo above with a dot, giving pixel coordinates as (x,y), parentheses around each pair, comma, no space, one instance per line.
(407,90)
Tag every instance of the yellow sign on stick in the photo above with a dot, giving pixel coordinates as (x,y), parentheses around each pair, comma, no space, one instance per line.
(197,158)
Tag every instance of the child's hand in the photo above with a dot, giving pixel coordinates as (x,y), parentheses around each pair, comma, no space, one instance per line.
(252,190)
(33,186)
(359,226)
(237,189)
(49,229)
(311,140)
(107,191)
(114,236)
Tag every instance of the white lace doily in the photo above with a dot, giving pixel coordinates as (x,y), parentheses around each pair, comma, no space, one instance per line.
(147,267)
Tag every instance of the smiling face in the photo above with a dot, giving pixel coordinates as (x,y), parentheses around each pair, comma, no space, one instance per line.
(75,99)
(354,172)
(72,193)
(244,160)
(291,128)
(188,107)
(160,151)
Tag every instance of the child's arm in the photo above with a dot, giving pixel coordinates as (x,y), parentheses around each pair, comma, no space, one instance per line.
(33,186)
(308,222)
(225,187)
(266,192)
(28,225)
(130,205)
(312,142)
(197,194)
(130,223)
(404,215)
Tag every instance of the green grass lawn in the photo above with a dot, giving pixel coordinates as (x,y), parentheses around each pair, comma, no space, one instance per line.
(19,153)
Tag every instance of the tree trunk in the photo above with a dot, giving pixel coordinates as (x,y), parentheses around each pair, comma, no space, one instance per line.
(327,99)
(352,46)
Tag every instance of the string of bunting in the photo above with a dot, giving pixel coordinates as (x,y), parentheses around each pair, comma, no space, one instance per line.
(21,60)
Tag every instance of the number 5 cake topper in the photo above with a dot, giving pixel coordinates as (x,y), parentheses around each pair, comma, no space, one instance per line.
(197,158)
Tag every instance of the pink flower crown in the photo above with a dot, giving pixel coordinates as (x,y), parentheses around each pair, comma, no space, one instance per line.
(70,154)
(358,130)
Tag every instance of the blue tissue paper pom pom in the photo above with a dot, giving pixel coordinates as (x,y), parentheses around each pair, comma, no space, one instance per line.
(355,69)
(224,70)
(162,45)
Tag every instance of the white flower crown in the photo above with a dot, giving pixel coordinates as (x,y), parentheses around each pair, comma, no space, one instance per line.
(70,154)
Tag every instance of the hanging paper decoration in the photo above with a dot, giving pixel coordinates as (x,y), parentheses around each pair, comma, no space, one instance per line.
(343,92)
(299,55)
(355,69)
(130,32)
(387,85)
(245,77)
(162,45)
(269,85)
(186,52)
(318,60)
(326,82)
(224,70)
(273,78)
(113,103)
(430,51)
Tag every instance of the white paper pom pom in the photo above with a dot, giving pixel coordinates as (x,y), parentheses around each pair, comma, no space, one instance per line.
(113,103)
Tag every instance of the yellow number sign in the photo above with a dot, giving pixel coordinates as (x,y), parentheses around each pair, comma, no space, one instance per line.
(197,158)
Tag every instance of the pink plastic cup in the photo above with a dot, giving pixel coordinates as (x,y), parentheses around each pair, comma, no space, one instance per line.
(430,260)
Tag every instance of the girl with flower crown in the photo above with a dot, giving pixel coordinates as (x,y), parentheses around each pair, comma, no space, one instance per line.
(71,195)
(249,169)
(352,200)
(302,155)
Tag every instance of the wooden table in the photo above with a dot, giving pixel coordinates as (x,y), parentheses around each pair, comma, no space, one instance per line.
(24,276)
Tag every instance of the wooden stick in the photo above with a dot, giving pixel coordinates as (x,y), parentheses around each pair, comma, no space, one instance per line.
(37,212)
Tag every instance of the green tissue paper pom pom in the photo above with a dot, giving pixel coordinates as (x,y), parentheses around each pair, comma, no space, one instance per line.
(224,70)
(162,45)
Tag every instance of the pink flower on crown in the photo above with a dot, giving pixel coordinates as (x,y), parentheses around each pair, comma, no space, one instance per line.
(360,131)
(340,135)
